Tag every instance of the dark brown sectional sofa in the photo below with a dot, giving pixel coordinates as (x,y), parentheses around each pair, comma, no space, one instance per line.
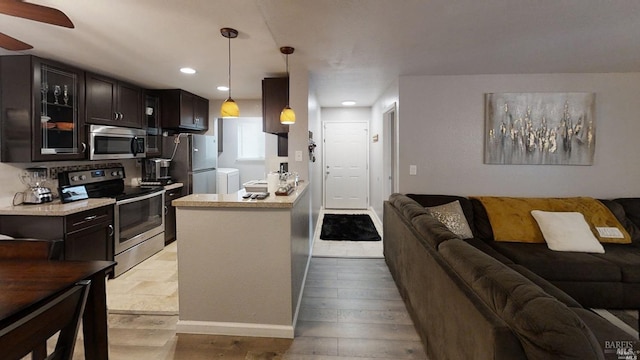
(481,299)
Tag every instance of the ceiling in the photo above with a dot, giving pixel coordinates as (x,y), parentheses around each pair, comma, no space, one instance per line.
(353,49)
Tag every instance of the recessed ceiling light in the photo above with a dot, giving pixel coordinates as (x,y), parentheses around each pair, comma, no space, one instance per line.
(223,88)
(348,103)
(187,70)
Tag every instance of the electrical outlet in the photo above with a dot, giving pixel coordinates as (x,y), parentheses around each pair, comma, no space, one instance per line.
(413,170)
(298,155)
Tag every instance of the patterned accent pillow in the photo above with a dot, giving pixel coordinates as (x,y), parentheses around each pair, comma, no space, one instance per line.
(452,216)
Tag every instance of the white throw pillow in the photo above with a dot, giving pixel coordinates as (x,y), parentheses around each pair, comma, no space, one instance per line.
(567,231)
(452,216)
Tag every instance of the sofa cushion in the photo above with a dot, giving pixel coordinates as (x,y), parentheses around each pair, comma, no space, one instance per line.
(432,230)
(554,265)
(436,200)
(628,259)
(481,221)
(546,327)
(546,286)
(487,249)
(511,218)
(408,207)
(606,333)
(452,216)
(566,231)
(630,214)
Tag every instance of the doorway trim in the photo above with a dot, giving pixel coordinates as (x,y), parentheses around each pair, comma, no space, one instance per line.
(391,151)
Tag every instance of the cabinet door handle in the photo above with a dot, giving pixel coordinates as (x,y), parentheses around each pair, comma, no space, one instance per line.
(166,210)
(84,147)
(88,218)
(111,230)
(121,116)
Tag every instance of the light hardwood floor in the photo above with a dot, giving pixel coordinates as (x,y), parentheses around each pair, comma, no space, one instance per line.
(350,310)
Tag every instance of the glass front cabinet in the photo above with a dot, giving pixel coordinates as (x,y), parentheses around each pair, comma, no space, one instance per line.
(42,110)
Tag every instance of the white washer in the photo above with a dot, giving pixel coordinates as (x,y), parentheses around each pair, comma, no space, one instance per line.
(228,180)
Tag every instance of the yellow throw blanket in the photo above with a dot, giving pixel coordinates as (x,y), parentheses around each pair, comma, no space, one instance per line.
(511,219)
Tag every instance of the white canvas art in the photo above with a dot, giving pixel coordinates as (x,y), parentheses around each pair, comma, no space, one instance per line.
(540,128)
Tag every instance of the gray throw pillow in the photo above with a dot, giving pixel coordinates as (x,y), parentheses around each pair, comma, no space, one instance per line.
(452,216)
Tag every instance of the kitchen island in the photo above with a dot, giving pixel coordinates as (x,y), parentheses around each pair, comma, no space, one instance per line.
(242,263)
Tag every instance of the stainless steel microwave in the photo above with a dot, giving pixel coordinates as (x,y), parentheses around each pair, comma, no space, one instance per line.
(112,142)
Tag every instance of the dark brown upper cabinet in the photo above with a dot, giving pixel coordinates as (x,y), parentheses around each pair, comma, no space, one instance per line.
(274,99)
(152,124)
(182,110)
(42,110)
(113,102)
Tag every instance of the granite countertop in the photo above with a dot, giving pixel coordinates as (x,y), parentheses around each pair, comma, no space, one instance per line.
(56,207)
(235,200)
(173,186)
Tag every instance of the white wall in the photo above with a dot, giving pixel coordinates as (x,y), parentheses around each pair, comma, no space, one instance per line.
(376,169)
(441,131)
(299,132)
(249,170)
(315,168)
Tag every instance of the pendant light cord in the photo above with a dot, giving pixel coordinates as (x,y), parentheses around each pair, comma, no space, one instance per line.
(229,67)
(288,77)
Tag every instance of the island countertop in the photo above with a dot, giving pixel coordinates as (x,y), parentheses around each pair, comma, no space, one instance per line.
(235,200)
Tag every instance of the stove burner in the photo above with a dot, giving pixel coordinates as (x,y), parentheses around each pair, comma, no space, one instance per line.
(104,183)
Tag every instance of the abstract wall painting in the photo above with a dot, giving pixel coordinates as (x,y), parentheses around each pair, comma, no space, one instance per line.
(540,128)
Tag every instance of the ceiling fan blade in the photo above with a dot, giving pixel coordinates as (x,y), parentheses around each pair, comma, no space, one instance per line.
(9,43)
(35,12)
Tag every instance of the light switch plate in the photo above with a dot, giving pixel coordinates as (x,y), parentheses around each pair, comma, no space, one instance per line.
(413,170)
(298,155)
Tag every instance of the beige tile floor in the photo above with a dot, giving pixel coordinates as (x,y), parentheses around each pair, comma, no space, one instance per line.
(149,288)
(347,249)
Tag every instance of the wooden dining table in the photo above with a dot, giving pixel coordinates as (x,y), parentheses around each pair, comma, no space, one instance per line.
(27,284)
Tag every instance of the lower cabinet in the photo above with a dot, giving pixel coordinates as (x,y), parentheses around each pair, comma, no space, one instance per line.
(170,215)
(87,235)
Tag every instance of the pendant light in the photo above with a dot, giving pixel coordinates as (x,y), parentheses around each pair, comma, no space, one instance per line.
(229,107)
(287,116)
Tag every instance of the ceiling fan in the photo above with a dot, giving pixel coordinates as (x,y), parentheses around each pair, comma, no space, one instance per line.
(33,12)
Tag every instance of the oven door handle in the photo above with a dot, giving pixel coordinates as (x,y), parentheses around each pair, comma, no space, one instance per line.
(139,198)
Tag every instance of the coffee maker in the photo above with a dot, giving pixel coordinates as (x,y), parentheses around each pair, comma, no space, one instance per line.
(35,179)
(156,171)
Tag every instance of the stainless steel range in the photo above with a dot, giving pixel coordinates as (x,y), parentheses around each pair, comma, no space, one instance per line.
(138,216)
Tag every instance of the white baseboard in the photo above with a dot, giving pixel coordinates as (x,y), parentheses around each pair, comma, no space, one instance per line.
(234,329)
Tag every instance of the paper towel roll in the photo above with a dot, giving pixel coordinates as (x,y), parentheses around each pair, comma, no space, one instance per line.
(273,182)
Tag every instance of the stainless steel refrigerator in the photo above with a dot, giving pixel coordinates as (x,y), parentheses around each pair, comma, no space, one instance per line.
(194,162)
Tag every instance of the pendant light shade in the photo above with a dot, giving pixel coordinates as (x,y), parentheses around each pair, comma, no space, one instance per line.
(229,107)
(287,116)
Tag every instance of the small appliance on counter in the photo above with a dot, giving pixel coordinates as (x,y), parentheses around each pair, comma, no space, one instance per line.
(37,193)
(156,172)
(255,186)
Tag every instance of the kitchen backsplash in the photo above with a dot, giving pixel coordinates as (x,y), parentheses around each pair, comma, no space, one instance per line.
(10,174)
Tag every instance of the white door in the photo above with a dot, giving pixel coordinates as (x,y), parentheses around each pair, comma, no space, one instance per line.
(346,178)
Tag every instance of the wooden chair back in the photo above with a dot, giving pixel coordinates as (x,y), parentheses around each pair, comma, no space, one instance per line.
(29,334)
(31,249)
